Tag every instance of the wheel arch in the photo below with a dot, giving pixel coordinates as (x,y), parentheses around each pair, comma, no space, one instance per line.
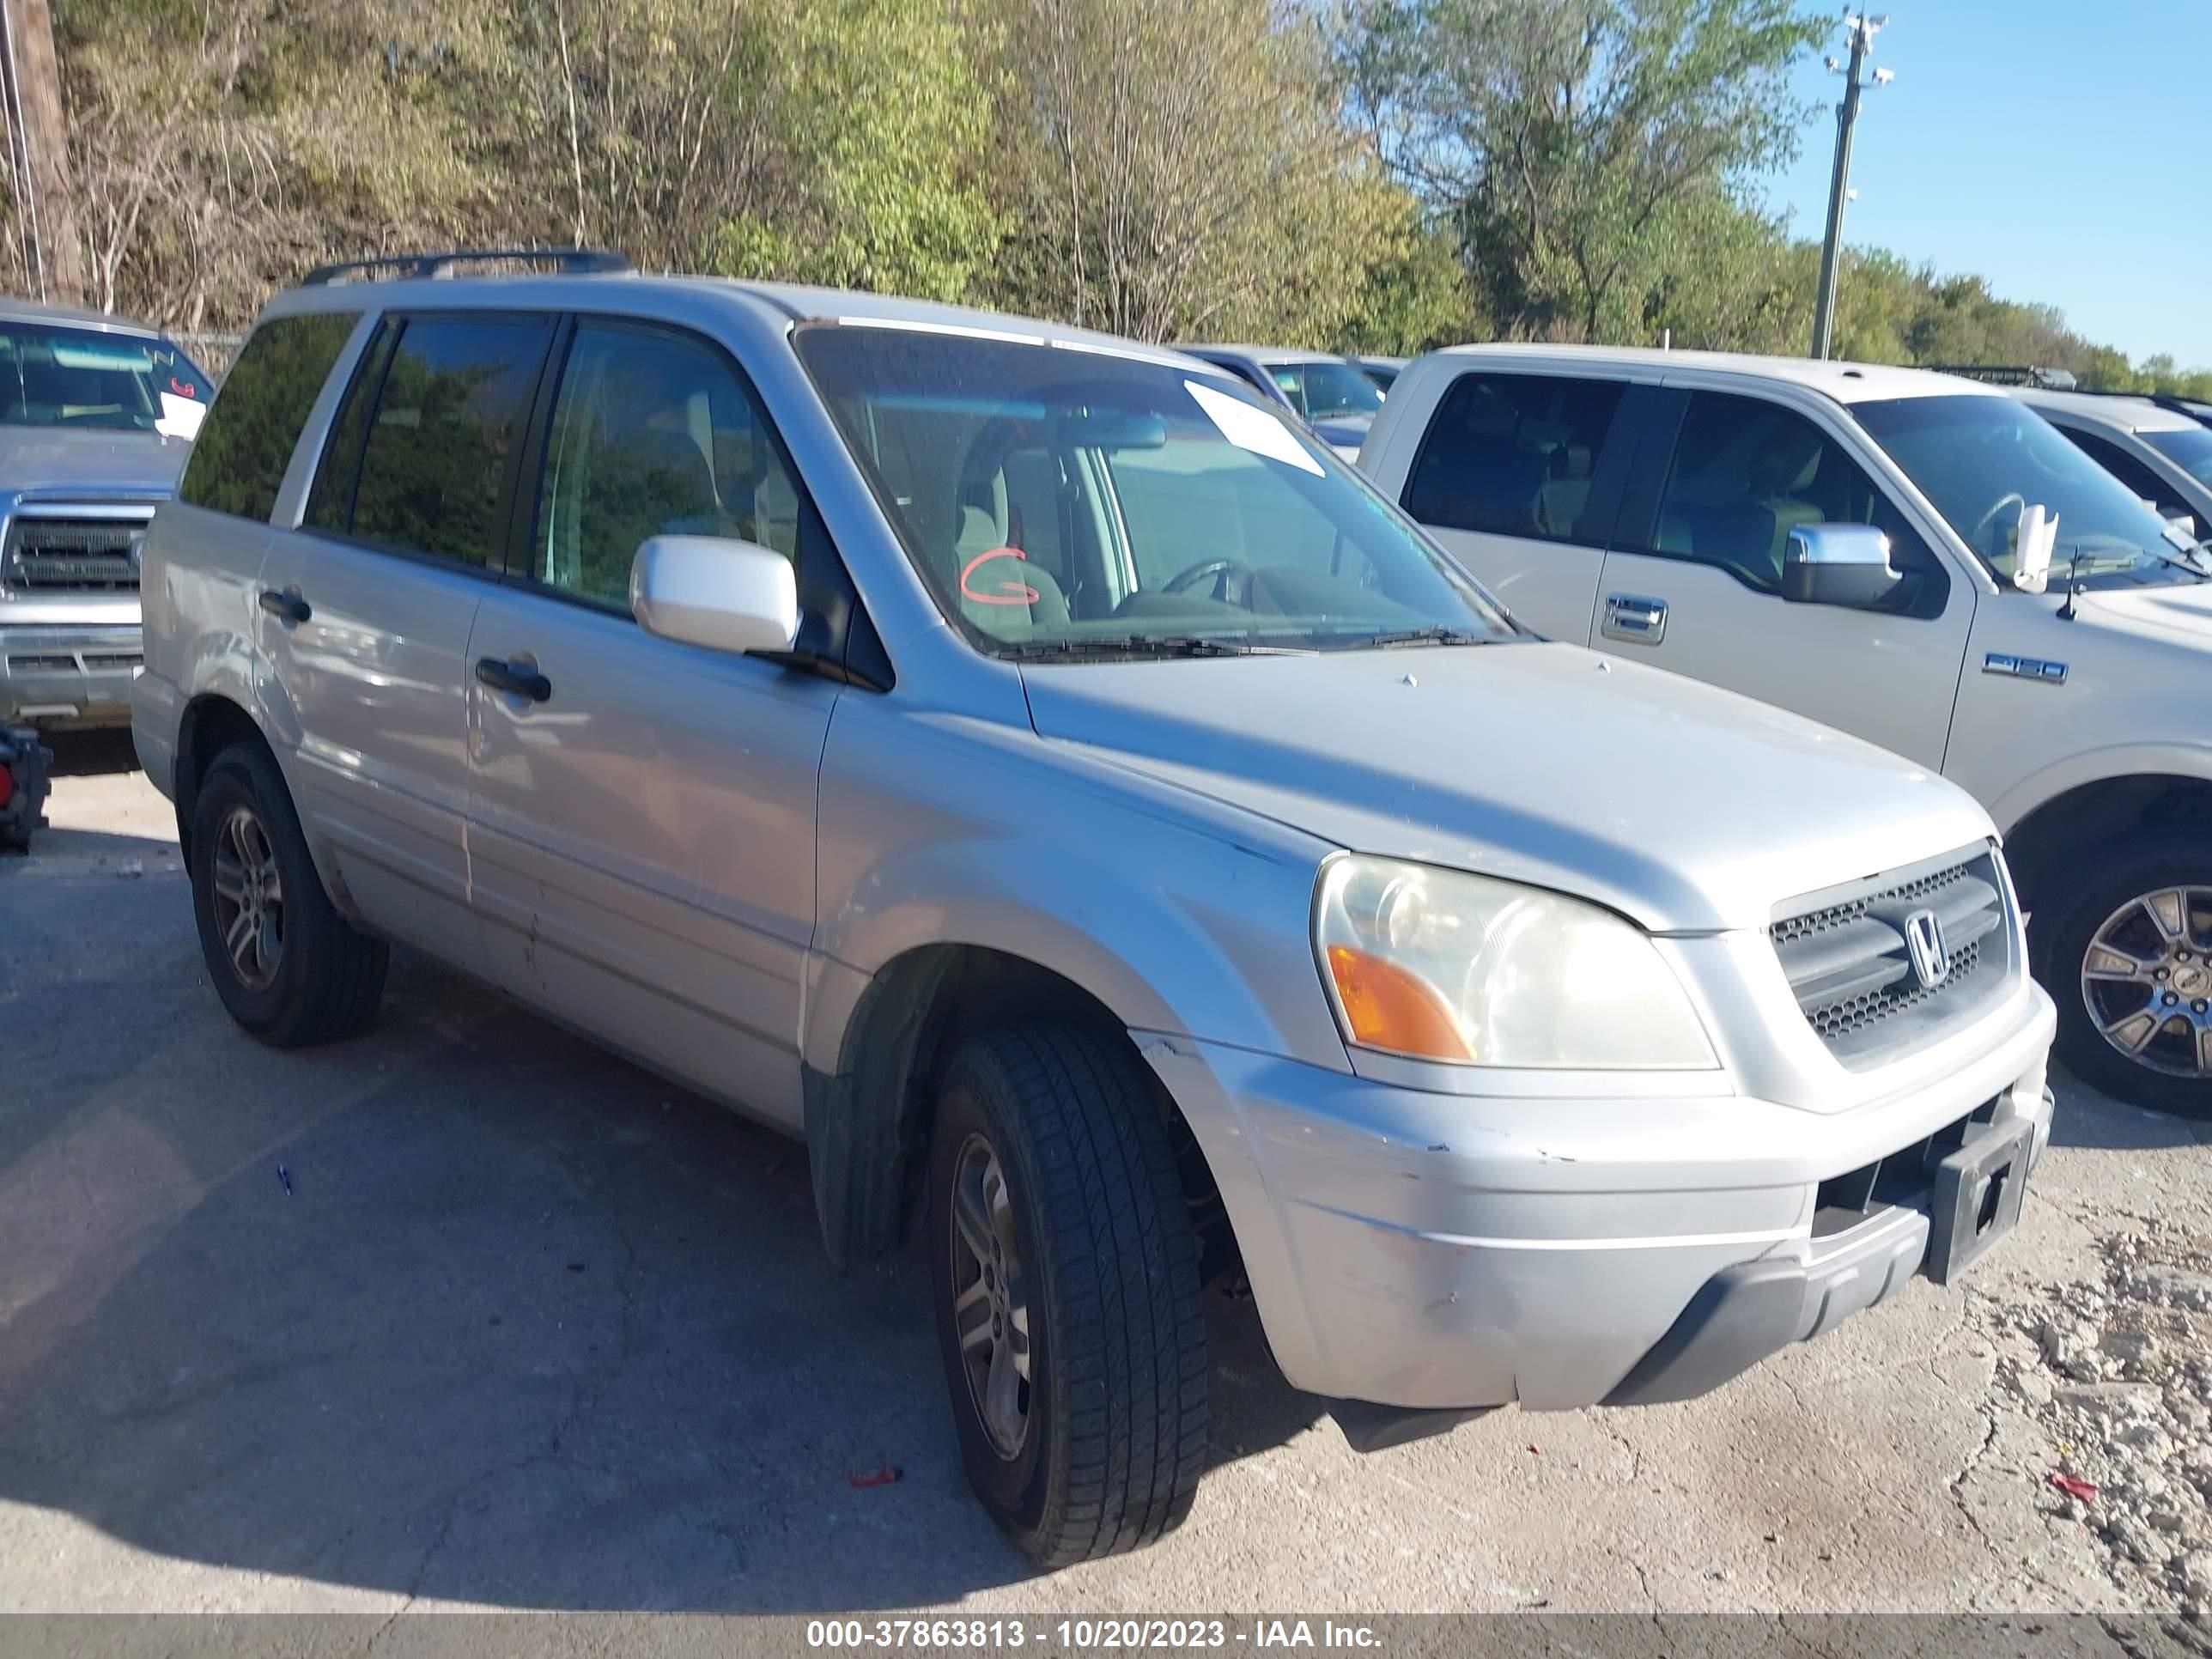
(211,723)
(868,1121)
(2043,841)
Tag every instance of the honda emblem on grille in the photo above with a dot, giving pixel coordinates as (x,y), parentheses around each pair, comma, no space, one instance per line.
(1924,943)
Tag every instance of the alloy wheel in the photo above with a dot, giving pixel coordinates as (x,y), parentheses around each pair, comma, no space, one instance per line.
(2147,980)
(990,1297)
(249,899)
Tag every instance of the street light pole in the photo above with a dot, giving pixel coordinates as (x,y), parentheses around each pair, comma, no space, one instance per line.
(1862,29)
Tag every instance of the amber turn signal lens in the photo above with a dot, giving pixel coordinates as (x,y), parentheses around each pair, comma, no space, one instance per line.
(1389,1008)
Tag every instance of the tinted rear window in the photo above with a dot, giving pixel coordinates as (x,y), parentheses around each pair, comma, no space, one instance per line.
(247,442)
(1513,455)
(448,416)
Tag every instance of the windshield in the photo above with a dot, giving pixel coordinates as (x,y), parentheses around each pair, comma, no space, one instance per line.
(2191,450)
(1328,392)
(1982,460)
(1078,502)
(55,375)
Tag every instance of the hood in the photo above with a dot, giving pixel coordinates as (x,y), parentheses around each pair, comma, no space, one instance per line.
(2180,612)
(1347,431)
(1686,808)
(56,461)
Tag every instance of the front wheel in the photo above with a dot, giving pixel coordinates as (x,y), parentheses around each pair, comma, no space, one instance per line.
(1065,1274)
(2129,963)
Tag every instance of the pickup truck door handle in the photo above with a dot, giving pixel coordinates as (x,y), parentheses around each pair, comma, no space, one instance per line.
(516,680)
(290,607)
(1631,617)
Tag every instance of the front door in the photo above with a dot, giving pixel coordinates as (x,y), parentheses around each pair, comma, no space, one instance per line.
(1694,581)
(642,831)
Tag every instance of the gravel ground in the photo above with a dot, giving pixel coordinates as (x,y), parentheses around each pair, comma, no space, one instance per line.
(520,1327)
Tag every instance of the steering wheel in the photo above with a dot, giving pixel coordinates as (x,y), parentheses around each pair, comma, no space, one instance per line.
(1232,579)
(1988,521)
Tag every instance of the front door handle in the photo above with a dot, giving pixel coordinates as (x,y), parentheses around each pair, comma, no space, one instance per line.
(516,680)
(1639,621)
(286,607)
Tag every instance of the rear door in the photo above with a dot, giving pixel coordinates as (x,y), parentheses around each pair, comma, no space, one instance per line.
(366,608)
(1694,581)
(1519,476)
(643,837)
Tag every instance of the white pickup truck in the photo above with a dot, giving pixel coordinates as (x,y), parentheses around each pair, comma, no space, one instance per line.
(1845,541)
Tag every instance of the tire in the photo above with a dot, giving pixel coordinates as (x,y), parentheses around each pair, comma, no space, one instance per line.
(2114,902)
(315,978)
(1093,1217)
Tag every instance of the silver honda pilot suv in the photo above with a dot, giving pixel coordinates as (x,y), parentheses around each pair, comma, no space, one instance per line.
(1120,844)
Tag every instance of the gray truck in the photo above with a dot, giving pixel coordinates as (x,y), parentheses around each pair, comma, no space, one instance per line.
(96,418)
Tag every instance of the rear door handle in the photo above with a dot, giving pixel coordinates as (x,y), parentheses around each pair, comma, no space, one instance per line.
(286,607)
(516,680)
(1638,620)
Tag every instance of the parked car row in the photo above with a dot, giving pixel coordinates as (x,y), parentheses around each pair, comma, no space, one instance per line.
(1035,770)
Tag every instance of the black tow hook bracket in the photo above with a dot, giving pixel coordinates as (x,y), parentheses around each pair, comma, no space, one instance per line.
(24,763)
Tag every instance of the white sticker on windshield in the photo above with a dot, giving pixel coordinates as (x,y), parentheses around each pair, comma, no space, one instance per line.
(1253,428)
(180,417)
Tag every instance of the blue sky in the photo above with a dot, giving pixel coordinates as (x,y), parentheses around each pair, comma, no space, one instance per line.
(2058,147)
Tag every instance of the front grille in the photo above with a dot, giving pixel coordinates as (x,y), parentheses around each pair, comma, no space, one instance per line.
(1850,964)
(59,555)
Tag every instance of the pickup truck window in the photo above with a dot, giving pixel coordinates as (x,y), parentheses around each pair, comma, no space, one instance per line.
(2191,451)
(238,463)
(1224,526)
(1747,473)
(2142,481)
(1513,455)
(1983,460)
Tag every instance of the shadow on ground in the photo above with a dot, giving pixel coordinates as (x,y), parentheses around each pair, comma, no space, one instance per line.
(2085,1118)
(463,1309)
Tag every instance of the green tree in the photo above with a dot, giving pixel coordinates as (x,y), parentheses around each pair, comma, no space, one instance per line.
(1175,169)
(1563,135)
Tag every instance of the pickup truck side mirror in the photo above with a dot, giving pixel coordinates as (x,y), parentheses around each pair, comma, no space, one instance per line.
(1840,564)
(715,592)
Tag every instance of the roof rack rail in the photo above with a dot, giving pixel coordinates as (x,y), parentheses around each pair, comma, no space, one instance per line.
(2196,409)
(2049,379)
(569,261)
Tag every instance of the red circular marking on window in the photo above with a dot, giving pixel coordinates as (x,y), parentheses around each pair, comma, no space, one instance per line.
(1010,593)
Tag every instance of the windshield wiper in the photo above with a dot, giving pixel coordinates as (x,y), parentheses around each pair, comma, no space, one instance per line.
(1140,645)
(1437,633)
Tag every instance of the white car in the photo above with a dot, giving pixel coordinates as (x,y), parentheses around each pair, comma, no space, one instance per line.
(1845,541)
(2161,452)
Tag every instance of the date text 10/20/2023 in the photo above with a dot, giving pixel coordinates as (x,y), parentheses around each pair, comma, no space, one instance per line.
(1087,1635)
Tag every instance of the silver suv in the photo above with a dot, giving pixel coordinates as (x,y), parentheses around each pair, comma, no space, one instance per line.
(1125,850)
(96,416)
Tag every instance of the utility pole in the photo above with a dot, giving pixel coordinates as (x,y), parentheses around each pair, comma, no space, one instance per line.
(31,78)
(1862,29)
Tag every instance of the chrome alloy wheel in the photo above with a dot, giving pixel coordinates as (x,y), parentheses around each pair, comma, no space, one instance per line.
(2146,981)
(249,899)
(990,1297)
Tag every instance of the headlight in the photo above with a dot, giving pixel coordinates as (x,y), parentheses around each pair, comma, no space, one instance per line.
(1442,965)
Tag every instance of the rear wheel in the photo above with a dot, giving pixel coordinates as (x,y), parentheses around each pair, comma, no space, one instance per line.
(287,965)
(2130,964)
(1065,1274)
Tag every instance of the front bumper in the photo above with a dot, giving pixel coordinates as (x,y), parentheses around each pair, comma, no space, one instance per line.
(1446,1252)
(59,675)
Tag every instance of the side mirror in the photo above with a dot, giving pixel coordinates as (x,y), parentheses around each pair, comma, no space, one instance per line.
(1841,564)
(724,594)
